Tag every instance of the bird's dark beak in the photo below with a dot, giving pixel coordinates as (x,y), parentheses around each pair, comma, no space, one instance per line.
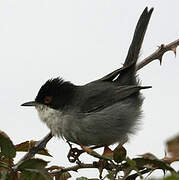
(31,103)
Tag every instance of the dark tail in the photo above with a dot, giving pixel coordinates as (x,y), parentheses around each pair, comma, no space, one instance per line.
(128,74)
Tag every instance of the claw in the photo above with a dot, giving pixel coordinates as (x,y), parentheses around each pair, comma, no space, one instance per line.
(74,154)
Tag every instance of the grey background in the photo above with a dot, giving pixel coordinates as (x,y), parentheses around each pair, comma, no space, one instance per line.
(81,41)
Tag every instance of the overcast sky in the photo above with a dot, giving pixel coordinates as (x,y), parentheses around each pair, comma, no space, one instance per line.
(82,40)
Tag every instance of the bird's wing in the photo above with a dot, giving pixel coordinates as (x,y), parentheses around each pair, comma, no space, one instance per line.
(106,97)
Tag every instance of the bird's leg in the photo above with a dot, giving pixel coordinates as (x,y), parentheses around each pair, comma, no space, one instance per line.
(74,154)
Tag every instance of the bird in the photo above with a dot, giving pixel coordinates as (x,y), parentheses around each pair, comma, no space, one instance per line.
(102,112)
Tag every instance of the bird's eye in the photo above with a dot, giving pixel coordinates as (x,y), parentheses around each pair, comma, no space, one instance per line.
(47,99)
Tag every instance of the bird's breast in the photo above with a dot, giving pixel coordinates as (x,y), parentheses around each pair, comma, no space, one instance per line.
(52,118)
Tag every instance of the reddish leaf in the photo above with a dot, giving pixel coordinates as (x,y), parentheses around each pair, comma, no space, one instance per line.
(173,147)
(107,152)
(24,147)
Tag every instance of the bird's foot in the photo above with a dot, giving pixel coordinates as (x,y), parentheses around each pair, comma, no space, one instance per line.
(74,154)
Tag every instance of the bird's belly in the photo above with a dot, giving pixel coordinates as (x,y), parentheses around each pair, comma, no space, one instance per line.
(106,127)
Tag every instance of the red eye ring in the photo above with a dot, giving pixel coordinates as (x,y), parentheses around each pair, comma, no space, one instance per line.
(47,99)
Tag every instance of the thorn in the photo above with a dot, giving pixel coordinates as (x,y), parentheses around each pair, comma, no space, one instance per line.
(165,153)
(174,49)
(160,59)
(161,46)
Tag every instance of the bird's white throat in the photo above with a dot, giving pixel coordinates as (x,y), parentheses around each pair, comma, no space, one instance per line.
(51,117)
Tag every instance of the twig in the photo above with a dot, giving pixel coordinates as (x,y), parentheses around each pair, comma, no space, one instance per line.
(73,168)
(81,166)
(39,145)
(158,54)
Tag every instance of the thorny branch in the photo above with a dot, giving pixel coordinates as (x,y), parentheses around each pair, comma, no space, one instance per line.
(158,54)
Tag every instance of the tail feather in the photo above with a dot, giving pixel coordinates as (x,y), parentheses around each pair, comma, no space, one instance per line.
(127,76)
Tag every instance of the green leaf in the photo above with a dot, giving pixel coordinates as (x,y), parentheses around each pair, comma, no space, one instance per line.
(119,154)
(54,167)
(4,165)
(63,176)
(132,166)
(154,163)
(36,174)
(131,162)
(171,177)
(82,178)
(111,175)
(7,148)
(32,164)
(5,176)
(85,178)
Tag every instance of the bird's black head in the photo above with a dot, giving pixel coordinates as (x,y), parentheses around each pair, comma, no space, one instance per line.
(55,93)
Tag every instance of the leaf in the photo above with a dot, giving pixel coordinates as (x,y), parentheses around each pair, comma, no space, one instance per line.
(82,178)
(171,177)
(6,176)
(131,162)
(107,151)
(111,175)
(63,176)
(155,163)
(36,174)
(32,164)
(51,168)
(3,165)
(59,176)
(6,146)
(173,147)
(119,154)
(132,166)
(24,147)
